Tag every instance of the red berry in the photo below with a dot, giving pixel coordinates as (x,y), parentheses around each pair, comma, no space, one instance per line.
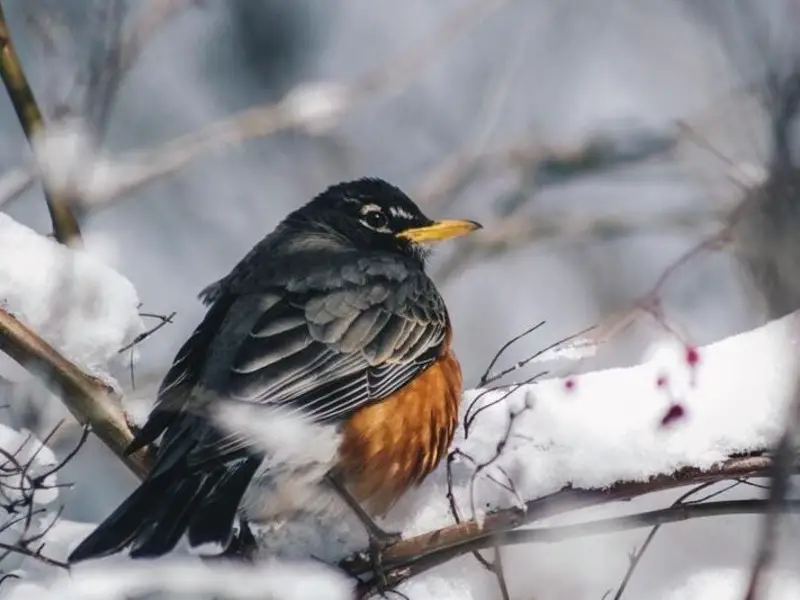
(569,384)
(674,413)
(692,356)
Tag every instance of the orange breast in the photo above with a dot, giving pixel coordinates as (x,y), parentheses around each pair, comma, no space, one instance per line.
(395,443)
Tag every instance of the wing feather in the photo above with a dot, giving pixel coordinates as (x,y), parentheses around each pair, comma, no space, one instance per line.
(322,352)
(327,354)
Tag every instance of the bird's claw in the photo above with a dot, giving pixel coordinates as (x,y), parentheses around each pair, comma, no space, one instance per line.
(379,541)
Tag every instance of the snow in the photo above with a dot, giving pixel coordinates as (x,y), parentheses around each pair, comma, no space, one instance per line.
(75,302)
(318,106)
(274,580)
(731,584)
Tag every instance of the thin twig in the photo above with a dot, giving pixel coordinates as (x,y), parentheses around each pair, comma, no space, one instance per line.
(484,380)
(14,548)
(637,556)
(500,573)
(65,224)
(112,64)
(164,320)
(14,183)
(526,361)
(779,485)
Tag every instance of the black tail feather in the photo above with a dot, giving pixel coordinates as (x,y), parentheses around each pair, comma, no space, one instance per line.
(170,522)
(152,519)
(212,522)
(122,527)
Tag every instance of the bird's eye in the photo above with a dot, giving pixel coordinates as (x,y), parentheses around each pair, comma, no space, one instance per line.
(376,220)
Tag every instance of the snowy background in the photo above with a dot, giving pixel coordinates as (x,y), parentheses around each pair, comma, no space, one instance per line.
(522,74)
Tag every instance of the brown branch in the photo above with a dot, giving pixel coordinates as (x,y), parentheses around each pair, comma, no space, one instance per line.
(90,400)
(537,167)
(293,112)
(420,553)
(520,231)
(672,514)
(65,224)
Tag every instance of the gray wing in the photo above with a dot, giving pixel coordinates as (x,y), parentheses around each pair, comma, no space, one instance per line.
(326,354)
(184,374)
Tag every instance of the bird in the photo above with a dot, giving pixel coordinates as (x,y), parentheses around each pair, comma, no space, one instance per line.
(330,317)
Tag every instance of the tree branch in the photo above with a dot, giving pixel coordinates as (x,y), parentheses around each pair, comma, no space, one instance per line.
(65,225)
(90,400)
(415,555)
(671,514)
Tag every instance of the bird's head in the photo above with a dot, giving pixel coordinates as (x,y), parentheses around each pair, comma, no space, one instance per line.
(371,214)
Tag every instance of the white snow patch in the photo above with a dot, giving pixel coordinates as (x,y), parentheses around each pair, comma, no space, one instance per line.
(288,438)
(317,106)
(593,430)
(83,308)
(731,584)
(274,580)
(21,589)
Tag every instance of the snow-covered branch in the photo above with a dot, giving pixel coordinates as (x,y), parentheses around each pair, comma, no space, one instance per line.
(64,317)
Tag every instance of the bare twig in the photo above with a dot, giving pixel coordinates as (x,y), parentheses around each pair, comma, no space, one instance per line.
(163,320)
(441,182)
(65,224)
(19,549)
(522,363)
(537,167)
(21,480)
(510,233)
(637,556)
(14,183)
(487,374)
(111,64)
(779,484)
(519,231)
(500,573)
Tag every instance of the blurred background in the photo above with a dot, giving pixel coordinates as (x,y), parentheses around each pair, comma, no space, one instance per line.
(598,142)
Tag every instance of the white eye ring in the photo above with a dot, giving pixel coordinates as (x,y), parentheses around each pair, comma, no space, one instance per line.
(376,220)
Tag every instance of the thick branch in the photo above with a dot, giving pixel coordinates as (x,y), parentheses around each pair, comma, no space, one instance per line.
(672,514)
(65,225)
(414,555)
(90,400)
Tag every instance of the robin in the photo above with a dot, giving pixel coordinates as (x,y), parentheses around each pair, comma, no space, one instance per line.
(330,317)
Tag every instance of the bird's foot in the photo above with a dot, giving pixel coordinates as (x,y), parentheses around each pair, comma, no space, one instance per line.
(379,536)
(243,546)
(379,541)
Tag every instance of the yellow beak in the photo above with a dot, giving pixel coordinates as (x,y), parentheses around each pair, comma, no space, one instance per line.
(439,230)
